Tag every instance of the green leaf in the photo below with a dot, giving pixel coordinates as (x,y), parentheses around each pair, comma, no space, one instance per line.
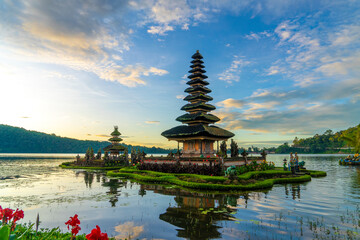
(4,232)
(50,233)
(29,228)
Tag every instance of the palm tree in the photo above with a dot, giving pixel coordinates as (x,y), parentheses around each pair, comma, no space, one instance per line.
(353,138)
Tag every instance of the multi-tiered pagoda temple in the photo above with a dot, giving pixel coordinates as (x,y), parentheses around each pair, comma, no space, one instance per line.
(198,136)
(115,148)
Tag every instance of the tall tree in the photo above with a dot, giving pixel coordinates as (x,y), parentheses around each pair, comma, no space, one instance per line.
(92,156)
(352,138)
(87,154)
(98,155)
(223,148)
(234,149)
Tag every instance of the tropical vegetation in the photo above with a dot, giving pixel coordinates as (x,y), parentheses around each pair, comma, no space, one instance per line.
(346,141)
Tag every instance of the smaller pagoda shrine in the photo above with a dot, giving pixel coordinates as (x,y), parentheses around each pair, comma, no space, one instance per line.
(115,148)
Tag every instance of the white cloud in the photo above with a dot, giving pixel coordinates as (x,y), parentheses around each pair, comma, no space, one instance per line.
(167,11)
(265,105)
(273,70)
(116,57)
(284,30)
(258,36)
(80,38)
(185,26)
(167,14)
(347,35)
(305,81)
(180,96)
(260,93)
(231,103)
(342,65)
(312,56)
(152,122)
(232,74)
(157,71)
(161,30)
(252,36)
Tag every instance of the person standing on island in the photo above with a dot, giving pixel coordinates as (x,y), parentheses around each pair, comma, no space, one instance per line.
(296,159)
(292,163)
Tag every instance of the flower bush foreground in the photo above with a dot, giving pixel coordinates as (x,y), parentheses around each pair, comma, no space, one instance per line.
(10,230)
(8,221)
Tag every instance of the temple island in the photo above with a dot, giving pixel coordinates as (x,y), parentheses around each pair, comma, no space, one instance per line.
(205,168)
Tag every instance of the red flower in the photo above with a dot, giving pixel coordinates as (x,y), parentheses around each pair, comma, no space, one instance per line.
(208,156)
(19,214)
(6,214)
(96,234)
(75,230)
(74,222)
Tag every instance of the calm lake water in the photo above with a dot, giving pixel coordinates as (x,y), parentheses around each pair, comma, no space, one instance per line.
(325,208)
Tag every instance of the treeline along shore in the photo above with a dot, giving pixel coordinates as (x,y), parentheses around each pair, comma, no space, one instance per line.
(328,142)
(20,140)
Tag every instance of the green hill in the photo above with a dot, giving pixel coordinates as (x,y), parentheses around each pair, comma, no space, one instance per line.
(20,140)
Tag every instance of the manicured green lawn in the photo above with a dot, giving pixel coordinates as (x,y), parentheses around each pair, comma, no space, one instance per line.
(248,181)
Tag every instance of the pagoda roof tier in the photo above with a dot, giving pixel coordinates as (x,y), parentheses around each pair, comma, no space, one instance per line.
(200,106)
(115,139)
(198,97)
(197,80)
(113,147)
(197,55)
(197,75)
(197,70)
(197,65)
(198,131)
(203,117)
(115,132)
(197,61)
(197,89)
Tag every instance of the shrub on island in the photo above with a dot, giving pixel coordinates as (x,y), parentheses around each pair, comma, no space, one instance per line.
(191,168)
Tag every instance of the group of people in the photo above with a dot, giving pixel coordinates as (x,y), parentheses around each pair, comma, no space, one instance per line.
(293,165)
(356,157)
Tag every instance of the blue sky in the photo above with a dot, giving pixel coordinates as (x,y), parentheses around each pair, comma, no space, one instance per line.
(278,69)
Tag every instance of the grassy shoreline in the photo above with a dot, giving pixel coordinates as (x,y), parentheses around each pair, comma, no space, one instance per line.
(254,180)
(69,165)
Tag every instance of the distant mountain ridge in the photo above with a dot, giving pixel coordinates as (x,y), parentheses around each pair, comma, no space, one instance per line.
(20,140)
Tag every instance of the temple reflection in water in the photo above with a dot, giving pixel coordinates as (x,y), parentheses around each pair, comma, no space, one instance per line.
(197,214)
